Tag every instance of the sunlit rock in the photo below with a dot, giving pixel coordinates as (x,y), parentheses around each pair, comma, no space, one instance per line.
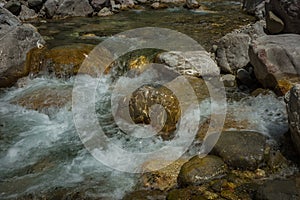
(63,61)
(200,170)
(162,179)
(194,63)
(276,61)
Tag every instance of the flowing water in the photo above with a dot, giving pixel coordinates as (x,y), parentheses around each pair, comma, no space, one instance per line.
(42,154)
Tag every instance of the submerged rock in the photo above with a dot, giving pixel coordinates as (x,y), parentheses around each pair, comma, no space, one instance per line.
(293,108)
(43,99)
(276,61)
(241,149)
(143,110)
(15,34)
(200,170)
(62,61)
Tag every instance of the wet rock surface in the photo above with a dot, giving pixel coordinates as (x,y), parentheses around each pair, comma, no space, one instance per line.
(241,149)
(62,61)
(15,34)
(200,170)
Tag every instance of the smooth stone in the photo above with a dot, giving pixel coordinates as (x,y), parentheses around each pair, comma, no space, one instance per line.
(280,189)
(241,149)
(200,170)
(274,24)
(276,61)
(288,12)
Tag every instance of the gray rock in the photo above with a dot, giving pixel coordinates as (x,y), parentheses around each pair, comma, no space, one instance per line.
(13,6)
(14,34)
(50,7)
(200,170)
(288,11)
(71,8)
(241,149)
(232,52)
(274,23)
(99,4)
(228,80)
(192,4)
(104,12)
(280,189)
(293,108)
(35,4)
(255,7)
(195,63)
(276,60)
(27,13)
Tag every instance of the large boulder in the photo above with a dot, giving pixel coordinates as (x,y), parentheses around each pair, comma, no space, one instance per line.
(70,8)
(231,51)
(276,61)
(286,10)
(293,108)
(67,8)
(241,149)
(17,40)
(13,6)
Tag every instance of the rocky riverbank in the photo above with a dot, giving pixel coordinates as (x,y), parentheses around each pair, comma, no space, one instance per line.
(256,156)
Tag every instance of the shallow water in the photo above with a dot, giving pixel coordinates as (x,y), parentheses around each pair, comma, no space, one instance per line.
(203,26)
